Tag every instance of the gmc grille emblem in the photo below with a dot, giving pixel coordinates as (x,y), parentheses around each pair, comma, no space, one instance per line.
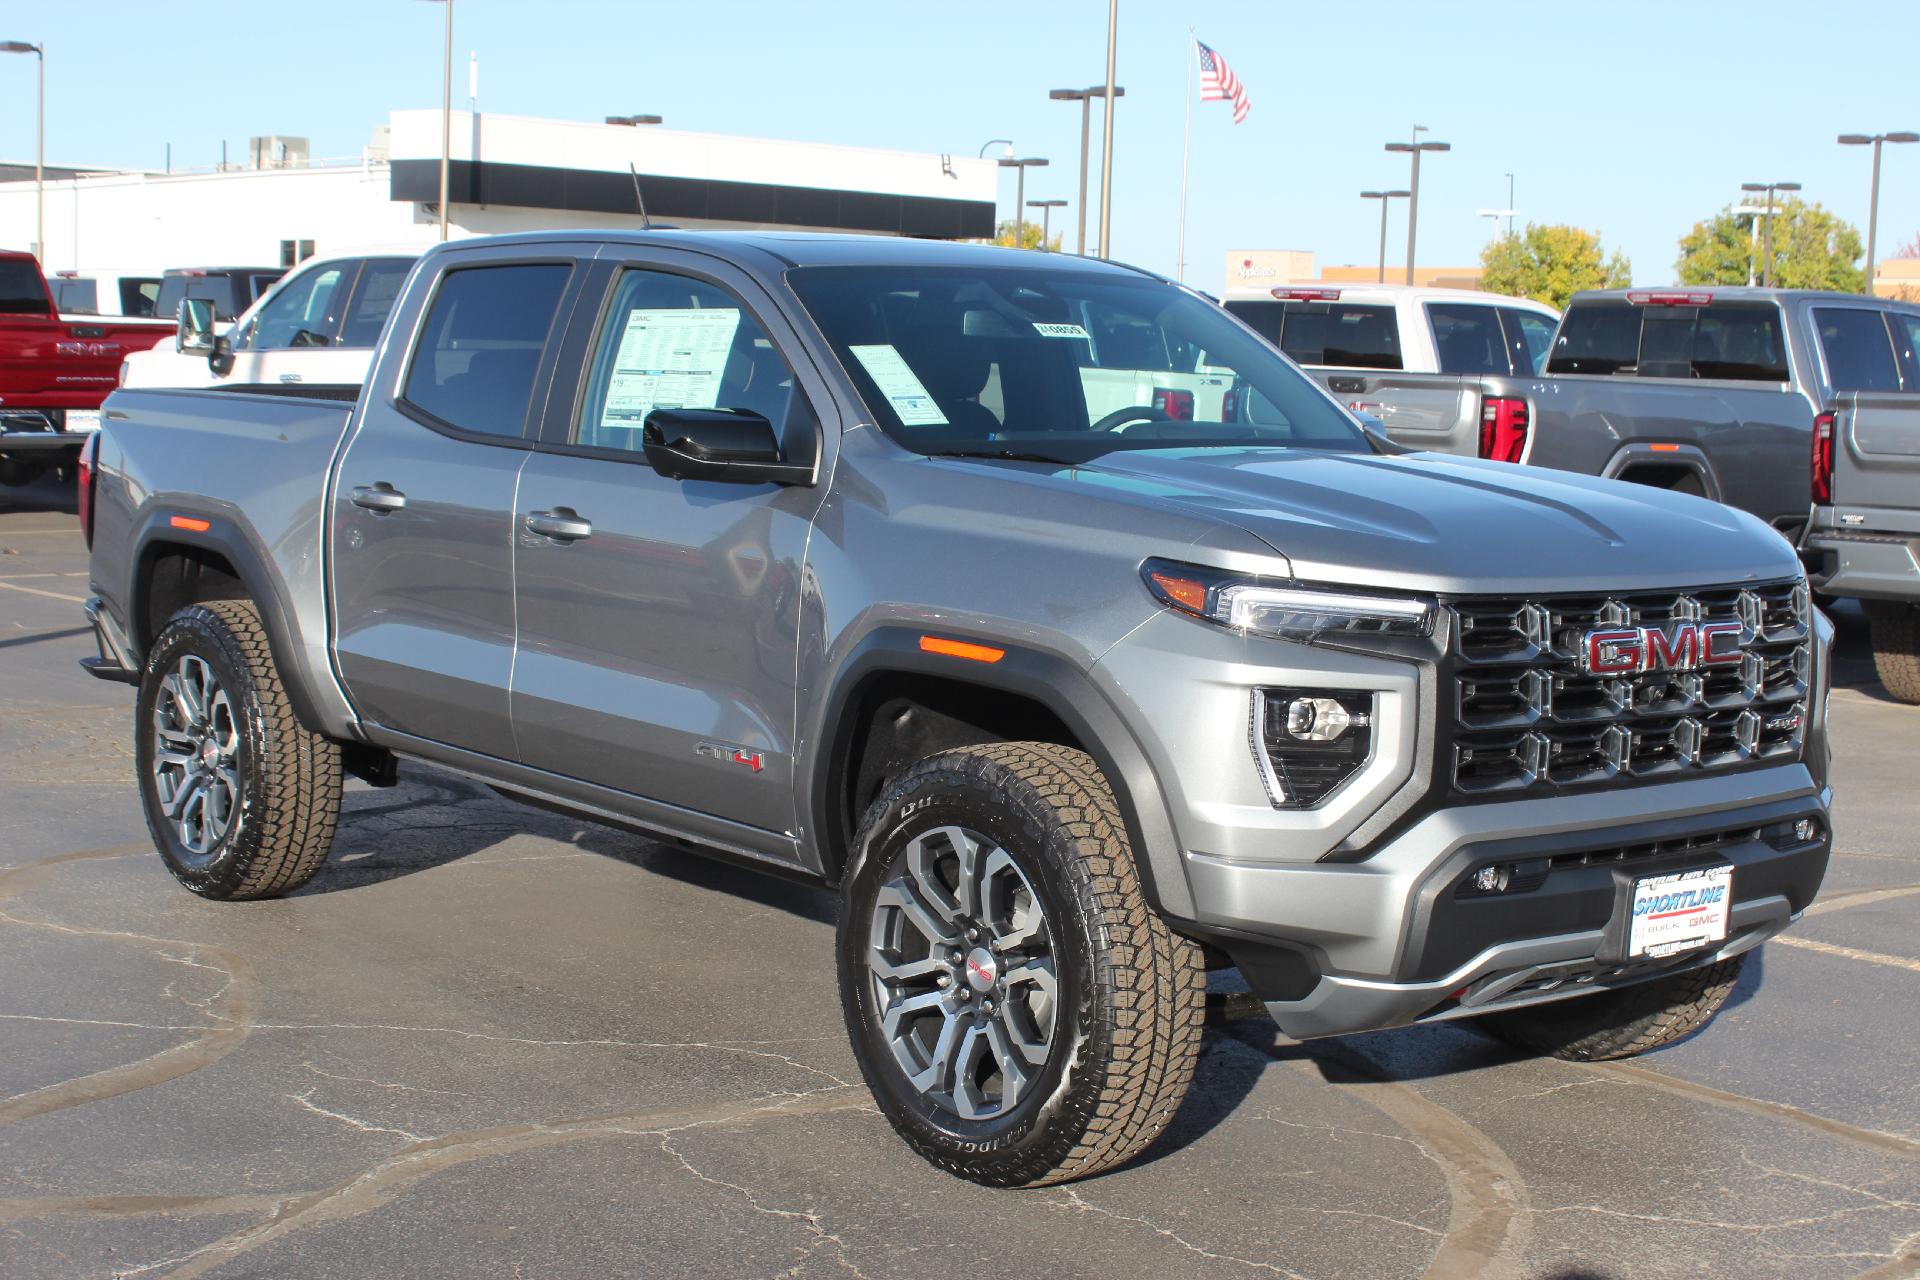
(1685,646)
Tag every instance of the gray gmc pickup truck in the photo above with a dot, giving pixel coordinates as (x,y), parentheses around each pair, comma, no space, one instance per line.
(809,551)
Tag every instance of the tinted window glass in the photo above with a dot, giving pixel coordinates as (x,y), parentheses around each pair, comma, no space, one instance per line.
(1059,365)
(137,295)
(671,342)
(223,291)
(1732,340)
(81,297)
(479,349)
(1859,355)
(1468,338)
(373,296)
(1262,317)
(1529,338)
(1347,334)
(302,314)
(1597,337)
(1906,338)
(21,293)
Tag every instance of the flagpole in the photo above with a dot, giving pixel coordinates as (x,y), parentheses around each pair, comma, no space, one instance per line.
(1186,156)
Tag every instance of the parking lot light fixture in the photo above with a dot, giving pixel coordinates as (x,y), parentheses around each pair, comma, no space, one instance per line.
(1020,165)
(1766,249)
(1413,187)
(1873,201)
(996,142)
(1085,97)
(446,115)
(635,120)
(1046,208)
(39,51)
(1385,198)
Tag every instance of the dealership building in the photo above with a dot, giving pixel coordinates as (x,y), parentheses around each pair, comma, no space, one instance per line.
(277,204)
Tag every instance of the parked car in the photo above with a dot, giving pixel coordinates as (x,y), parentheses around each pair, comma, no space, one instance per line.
(104,293)
(811,552)
(54,370)
(316,326)
(1711,392)
(1864,539)
(1405,328)
(230,289)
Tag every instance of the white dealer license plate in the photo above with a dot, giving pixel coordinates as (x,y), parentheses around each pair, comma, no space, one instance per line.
(83,419)
(1680,911)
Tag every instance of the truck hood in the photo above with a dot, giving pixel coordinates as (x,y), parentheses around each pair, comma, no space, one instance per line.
(1434,522)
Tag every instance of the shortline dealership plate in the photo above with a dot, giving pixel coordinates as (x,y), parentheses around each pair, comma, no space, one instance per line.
(1680,911)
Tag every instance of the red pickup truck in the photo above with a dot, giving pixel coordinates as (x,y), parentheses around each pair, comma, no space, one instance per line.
(54,371)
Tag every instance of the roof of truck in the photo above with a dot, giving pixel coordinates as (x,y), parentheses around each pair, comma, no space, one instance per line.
(1729,293)
(1371,291)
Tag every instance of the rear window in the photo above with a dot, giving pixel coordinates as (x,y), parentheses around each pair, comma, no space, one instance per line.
(1738,341)
(480,346)
(1352,335)
(76,297)
(222,290)
(1858,349)
(21,293)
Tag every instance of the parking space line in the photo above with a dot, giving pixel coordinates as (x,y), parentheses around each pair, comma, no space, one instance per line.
(1859,898)
(35,591)
(1849,953)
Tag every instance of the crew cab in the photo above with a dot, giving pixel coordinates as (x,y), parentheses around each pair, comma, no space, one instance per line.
(104,293)
(1705,391)
(316,326)
(1863,541)
(825,554)
(54,370)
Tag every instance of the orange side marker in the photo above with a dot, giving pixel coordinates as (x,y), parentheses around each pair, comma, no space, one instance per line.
(189,522)
(961,649)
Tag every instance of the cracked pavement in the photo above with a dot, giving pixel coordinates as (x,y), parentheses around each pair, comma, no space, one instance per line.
(491,1041)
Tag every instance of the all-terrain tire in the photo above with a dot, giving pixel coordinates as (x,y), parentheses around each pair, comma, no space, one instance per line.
(1128,1019)
(1894,629)
(282,826)
(1622,1022)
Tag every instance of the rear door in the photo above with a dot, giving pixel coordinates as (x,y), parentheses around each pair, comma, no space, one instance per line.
(423,500)
(659,618)
(1870,357)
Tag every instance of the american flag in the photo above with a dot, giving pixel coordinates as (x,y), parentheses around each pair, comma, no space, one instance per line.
(1219,84)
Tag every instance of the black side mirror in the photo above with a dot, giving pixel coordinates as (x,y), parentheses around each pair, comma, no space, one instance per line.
(736,446)
(220,359)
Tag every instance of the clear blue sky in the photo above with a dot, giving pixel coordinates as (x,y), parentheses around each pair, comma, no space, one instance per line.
(1632,119)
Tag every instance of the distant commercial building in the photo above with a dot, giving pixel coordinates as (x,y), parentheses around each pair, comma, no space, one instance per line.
(508,173)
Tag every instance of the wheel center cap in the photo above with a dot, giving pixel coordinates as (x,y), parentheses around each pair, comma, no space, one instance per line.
(982,969)
(209,752)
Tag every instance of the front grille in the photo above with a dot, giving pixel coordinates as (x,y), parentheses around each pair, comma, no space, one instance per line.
(1527,717)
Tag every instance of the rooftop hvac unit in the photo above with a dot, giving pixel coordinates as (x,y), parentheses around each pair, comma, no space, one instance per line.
(278,152)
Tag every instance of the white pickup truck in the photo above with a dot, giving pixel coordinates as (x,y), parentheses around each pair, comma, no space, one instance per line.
(1405,328)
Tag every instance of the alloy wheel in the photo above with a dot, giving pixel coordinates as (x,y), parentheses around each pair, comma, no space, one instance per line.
(196,746)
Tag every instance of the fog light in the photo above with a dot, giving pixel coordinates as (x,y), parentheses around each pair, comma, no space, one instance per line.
(1806,829)
(1493,879)
(1309,741)
(1320,719)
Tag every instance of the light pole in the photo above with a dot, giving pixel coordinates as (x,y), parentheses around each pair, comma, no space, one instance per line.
(634,120)
(1766,260)
(1385,198)
(1510,208)
(1046,208)
(1020,167)
(1413,187)
(39,51)
(1108,93)
(1085,98)
(1873,204)
(1494,215)
(996,142)
(446,115)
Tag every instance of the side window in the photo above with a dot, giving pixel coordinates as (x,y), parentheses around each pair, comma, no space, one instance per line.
(479,346)
(1529,339)
(300,315)
(137,295)
(373,296)
(1467,338)
(1906,337)
(1855,343)
(673,342)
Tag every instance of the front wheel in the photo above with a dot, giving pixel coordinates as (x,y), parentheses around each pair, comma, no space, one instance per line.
(1621,1022)
(240,797)
(1019,1012)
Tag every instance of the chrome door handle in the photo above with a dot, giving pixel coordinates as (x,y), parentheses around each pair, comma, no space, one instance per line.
(562,524)
(379,497)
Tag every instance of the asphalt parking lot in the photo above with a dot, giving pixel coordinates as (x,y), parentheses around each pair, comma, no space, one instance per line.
(489,1041)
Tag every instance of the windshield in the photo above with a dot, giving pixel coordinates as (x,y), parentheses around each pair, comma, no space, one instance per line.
(1059,365)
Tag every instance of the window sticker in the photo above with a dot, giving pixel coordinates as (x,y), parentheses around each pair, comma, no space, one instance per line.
(1061,331)
(898,383)
(669,359)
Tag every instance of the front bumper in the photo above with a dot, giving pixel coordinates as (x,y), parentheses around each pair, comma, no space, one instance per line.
(1388,941)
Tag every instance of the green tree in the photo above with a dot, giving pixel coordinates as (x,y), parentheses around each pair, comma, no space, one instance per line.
(1551,264)
(1812,249)
(1029,237)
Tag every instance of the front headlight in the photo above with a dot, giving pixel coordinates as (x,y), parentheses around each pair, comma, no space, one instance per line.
(1289,611)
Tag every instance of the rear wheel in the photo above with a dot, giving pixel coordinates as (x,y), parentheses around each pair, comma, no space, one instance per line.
(1020,1013)
(1622,1022)
(241,799)
(1894,629)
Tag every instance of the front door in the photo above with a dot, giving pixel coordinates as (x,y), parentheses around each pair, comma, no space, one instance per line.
(658,618)
(423,508)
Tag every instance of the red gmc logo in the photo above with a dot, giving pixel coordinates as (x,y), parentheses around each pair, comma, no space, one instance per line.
(1685,646)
